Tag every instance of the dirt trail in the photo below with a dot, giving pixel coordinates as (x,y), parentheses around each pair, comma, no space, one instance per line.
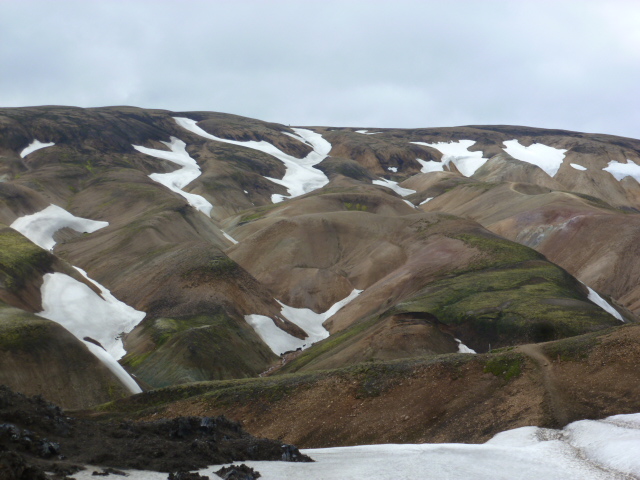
(556,403)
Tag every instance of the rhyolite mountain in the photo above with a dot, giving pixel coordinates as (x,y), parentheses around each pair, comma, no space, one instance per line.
(214,247)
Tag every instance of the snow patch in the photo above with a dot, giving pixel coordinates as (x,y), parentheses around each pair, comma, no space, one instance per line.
(115,367)
(426,200)
(409,203)
(84,313)
(33,146)
(229,237)
(430,166)
(393,169)
(457,153)
(462,348)
(621,170)
(300,177)
(547,158)
(367,132)
(182,177)
(602,303)
(311,322)
(578,167)
(393,186)
(586,450)
(40,227)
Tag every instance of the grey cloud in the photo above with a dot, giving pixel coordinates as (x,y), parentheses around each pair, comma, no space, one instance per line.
(565,64)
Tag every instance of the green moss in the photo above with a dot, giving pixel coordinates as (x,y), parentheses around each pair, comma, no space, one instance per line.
(496,251)
(19,259)
(506,367)
(360,207)
(256,213)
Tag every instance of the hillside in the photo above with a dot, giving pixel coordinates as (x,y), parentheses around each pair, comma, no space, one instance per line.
(428,277)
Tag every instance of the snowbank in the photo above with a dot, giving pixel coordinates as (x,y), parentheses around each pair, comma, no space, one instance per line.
(547,158)
(33,146)
(621,170)
(300,177)
(280,341)
(457,153)
(40,227)
(182,177)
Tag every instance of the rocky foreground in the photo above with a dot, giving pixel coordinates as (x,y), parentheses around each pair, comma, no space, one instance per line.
(37,437)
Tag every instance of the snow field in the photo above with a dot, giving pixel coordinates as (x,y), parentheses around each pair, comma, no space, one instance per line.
(430,166)
(584,450)
(403,192)
(457,153)
(40,227)
(33,146)
(280,341)
(180,178)
(577,167)
(547,158)
(621,170)
(300,176)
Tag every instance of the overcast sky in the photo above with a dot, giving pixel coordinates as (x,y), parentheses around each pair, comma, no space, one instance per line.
(555,64)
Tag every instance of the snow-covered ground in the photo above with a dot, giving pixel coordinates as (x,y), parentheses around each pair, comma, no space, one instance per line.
(426,200)
(430,166)
(547,158)
(584,450)
(40,227)
(33,146)
(229,237)
(280,341)
(602,303)
(462,348)
(300,177)
(393,186)
(84,313)
(621,170)
(578,167)
(182,177)
(366,132)
(73,304)
(457,153)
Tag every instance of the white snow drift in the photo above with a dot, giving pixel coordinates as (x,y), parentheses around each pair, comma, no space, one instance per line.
(40,227)
(602,303)
(300,177)
(430,166)
(457,153)
(585,450)
(182,177)
(366,132)
(621,170)
(547,158)
(578,167)
(280,341)
(33,146)
(403,192)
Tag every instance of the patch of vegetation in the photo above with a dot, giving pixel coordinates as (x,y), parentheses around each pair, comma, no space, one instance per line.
(496,251)
(506,367)
(359,207)
(573,349)
(256,213)
(20,258)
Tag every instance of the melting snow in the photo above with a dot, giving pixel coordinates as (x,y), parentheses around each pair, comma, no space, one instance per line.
(393,186)
(40,227)
(602,303)
(115,367)
(586,450)
(547,158)
(426,200)
(280,341)
(578,167)
(393,169)
(84,313)
(430,166)
(229,237)
(300,177)
(409,203)
(462,348)
(458,153)
(621,170)
(33,146)
(182,177)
